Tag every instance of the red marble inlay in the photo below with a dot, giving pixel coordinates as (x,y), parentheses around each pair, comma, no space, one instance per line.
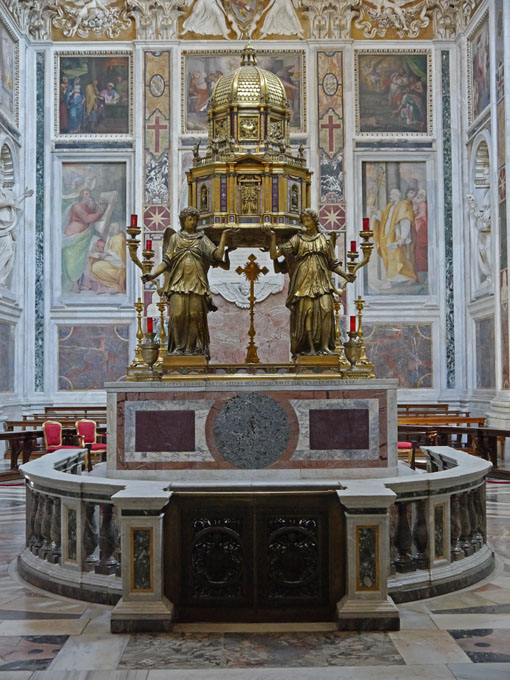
(338,429)
(165,431)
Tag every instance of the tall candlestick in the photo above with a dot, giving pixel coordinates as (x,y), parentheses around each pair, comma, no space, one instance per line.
(353,246)
(148,244)
(353,323)
(134,220)
(366,224)
(150,327)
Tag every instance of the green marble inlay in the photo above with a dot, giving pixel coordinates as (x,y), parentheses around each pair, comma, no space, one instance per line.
(71,534)
(367,559)
(439,531)
(141,559)
(39,226)
(448,218)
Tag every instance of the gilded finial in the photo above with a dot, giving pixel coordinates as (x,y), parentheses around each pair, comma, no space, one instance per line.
(248,56)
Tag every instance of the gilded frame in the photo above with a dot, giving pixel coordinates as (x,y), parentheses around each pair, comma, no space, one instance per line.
(481,24)
(91,136)
(188,54)
(14,119)
(401,134)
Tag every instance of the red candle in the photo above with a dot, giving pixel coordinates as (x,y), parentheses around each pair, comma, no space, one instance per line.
(134,220)
(148,244)
(366,224)
(353,323)
(150,327)
(353,246)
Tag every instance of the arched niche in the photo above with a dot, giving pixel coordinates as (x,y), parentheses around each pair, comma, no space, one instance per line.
(478,203)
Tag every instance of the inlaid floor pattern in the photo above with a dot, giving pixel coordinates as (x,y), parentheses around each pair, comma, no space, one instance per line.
(463,636)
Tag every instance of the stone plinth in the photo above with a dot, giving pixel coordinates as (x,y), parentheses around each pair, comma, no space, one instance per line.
(252,427)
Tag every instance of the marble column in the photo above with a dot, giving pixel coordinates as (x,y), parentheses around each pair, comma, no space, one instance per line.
(366,605)
(143,606)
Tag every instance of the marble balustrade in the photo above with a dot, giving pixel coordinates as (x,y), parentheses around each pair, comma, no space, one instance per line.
(407,537)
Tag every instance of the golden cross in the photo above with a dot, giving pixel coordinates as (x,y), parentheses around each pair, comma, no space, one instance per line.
(252,272)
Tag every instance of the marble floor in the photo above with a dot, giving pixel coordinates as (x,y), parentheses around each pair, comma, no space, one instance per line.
(465,635)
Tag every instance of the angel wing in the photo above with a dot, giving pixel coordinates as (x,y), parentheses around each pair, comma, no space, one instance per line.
(167,234)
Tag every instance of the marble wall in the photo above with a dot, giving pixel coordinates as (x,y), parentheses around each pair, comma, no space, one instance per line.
(333,89)
(7,356)
(89,356)
(402,351)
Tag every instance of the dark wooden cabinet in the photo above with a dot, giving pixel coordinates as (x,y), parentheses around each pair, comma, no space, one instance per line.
(254,557)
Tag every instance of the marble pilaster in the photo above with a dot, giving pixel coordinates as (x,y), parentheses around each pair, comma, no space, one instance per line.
(366,605)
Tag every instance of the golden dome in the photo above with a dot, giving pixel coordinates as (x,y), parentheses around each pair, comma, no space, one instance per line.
(249,84)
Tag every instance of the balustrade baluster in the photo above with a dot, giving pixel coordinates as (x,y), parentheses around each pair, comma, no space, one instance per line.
(56,537)
(465,525)
(421,535)
(456,551)
(34,500)
(473,520)
(38,539)
(403,540)
(47,544)
(107,542)
(90,537)
(480,515)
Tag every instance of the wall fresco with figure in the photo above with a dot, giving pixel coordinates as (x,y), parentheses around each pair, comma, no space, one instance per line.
(93,205)
(94,94)
(8,74)
(202,70)
(393,93)
(395,200)
(89,356)
(479,63)
(401,351)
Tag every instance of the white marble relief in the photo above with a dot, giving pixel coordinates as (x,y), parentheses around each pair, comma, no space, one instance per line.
(281,19)
(302,408)
(209,18)
(10,209)
(481,219)
(235,288)
(201,454)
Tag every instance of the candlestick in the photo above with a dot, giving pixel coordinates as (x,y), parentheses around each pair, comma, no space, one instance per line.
(150,327)
(353,246)
(134,220)
(352,327)
(148,244)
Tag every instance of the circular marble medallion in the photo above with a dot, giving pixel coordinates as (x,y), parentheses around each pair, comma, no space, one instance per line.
(157,85)
(330,84)
(251,430)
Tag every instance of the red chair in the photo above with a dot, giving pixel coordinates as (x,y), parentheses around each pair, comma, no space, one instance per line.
(52,431)
(87,434)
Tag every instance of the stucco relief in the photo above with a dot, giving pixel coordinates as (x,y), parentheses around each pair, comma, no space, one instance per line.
(317,19)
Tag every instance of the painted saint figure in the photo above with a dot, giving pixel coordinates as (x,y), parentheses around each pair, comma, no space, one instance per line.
(393,235)
(187,256)
(78,233)
(309,260)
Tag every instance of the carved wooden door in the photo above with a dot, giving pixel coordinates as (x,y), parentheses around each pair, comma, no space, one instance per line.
(274,557)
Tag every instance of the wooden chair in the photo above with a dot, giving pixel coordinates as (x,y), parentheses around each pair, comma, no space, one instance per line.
(52,432)
(87,433)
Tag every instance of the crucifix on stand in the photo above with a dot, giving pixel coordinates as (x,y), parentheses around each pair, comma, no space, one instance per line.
(252,271)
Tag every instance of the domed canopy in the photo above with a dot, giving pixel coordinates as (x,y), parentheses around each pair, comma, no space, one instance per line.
(249,84)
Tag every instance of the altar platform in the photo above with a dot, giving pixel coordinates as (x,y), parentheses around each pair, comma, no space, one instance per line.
(252,427)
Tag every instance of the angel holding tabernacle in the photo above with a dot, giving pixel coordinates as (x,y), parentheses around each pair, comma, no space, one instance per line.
(187,256)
